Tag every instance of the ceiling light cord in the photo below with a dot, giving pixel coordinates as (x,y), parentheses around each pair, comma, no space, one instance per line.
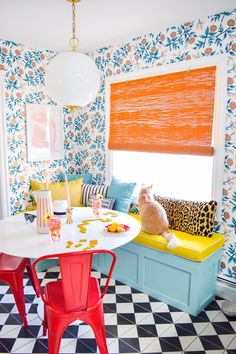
(74,41)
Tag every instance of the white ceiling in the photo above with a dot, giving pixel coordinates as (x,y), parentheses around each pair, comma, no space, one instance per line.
(47,23)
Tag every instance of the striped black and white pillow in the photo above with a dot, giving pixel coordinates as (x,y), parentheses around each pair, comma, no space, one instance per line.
(107,203)
(88,189)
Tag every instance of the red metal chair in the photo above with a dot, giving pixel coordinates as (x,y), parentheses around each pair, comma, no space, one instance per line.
(12,272)
(77,296)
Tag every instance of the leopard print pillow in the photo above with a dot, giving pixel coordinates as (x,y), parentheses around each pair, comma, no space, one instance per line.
(168,204)
(196,218)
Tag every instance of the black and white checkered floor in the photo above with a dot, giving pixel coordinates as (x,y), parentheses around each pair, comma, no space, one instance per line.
(135,323)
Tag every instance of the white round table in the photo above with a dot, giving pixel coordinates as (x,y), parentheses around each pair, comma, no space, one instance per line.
(19,238)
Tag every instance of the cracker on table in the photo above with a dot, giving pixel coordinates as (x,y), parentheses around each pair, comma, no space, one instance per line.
(78,245)
(86,248)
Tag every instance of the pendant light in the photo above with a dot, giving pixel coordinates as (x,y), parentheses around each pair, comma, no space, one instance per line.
(72,78)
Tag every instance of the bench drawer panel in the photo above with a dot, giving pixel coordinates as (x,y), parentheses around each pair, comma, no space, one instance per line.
(167,280)
(127,265)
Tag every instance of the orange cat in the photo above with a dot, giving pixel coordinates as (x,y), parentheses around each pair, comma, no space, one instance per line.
(153,216)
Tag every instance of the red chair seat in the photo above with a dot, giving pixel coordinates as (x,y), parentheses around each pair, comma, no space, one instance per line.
(9,263)
(12,273)
(55,298)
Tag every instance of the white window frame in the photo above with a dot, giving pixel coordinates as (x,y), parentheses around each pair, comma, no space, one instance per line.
(220,61)
(4,186)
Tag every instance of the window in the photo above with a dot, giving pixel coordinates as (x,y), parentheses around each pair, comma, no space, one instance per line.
(192,173)
(177,176)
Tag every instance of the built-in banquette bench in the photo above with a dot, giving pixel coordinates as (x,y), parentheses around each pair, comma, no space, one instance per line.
(184,277)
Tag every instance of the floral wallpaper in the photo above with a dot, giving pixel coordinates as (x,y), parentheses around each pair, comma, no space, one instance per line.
(84,129)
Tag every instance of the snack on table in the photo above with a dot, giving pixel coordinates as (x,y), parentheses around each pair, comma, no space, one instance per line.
(85,222)
(86,249)
(116,227)
(78,245)
(69,244)
(104,220)
(93,243)
(82,228)
(113,214)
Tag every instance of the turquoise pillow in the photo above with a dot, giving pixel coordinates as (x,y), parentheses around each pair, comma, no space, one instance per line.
(87,177)
(121,192)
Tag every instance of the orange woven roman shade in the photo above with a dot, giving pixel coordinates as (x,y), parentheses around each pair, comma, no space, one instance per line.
(170,113)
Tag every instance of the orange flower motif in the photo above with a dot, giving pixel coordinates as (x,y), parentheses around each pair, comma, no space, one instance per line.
(99,196)
(47,217)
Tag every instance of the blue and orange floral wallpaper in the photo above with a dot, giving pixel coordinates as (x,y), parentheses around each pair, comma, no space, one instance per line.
(84,129)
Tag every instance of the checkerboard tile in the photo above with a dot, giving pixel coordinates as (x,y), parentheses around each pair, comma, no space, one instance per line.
(135,323)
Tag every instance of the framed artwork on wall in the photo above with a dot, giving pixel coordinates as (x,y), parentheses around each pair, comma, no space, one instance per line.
(45,138)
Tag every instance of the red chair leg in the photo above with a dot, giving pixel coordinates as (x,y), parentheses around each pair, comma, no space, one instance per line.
(30,273)
(97,323)
(18,291)
(45,322)
(56,329)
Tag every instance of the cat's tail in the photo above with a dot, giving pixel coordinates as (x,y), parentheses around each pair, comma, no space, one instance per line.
(173,241)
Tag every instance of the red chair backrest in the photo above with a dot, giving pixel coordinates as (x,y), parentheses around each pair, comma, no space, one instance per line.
(75,274)
(75,271)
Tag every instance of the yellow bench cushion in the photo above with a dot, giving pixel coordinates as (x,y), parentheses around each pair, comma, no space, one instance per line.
(196,248)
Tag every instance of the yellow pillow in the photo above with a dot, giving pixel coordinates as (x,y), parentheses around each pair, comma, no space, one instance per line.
(58,190)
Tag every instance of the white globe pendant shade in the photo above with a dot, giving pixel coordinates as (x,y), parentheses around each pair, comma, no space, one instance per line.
(72,79)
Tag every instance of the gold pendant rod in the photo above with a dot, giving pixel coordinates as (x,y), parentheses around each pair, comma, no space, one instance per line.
(74,41)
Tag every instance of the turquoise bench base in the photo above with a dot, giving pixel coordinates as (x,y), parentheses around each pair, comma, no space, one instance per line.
(45,264)
(187,285)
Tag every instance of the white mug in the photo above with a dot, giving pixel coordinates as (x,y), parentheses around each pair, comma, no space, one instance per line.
(59,207)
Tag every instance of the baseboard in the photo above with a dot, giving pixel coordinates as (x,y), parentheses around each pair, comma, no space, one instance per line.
(226,289)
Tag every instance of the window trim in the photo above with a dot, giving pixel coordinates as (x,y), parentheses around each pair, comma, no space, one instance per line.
(220,61)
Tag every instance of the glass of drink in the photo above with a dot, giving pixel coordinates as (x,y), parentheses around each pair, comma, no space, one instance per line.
(96,206)
(54,225)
